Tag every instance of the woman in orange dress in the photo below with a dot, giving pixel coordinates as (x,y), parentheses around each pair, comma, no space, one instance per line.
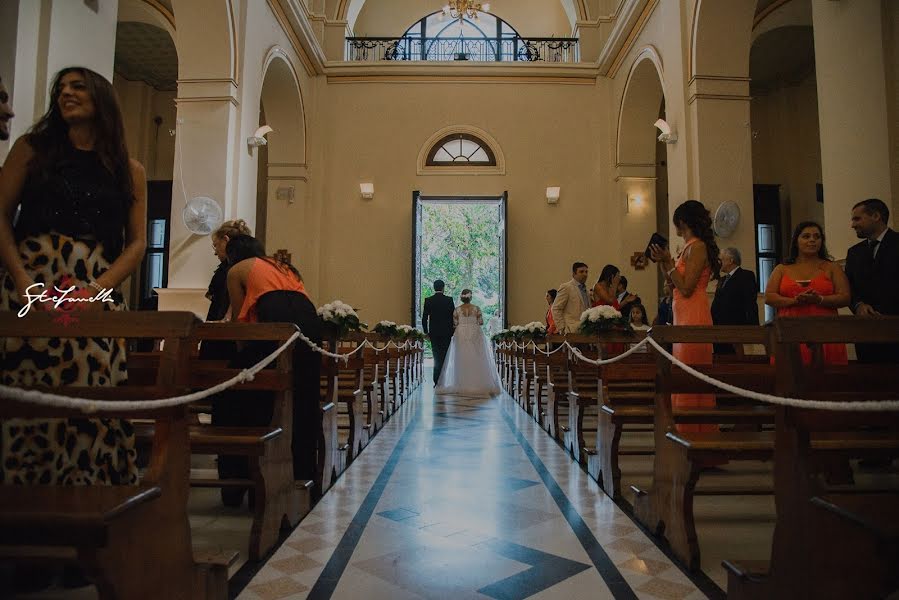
(689,276)
(809,283)
(263,290)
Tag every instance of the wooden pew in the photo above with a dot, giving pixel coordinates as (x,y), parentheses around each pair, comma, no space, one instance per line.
(132,541)
(585,394)
(829,544)
(333,453)
(667,507)
(280,501)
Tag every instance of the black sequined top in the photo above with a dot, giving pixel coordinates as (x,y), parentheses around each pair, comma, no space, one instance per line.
(77,197)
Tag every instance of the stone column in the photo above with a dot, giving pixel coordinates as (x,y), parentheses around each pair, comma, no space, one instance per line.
(205,148)
(721,153)
(852,112)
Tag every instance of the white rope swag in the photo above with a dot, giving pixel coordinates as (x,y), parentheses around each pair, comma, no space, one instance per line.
(88,405)
(861,406)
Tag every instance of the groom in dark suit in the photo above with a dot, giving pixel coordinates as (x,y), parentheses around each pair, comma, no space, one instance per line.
(872,267)
(735,298)
(437,322)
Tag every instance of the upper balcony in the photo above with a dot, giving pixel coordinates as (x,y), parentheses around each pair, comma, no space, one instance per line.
(481,38)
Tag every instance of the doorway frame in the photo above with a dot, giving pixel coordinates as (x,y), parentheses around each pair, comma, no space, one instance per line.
(417,201)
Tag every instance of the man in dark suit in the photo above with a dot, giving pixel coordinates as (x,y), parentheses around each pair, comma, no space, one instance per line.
(437,322)
(735,297)
(872,267)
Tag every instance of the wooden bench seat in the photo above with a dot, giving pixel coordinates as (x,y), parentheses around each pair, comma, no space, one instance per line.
(826,543)
(131,541)
(281,501)
(666,508)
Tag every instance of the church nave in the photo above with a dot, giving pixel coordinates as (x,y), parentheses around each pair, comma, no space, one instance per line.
(466,498)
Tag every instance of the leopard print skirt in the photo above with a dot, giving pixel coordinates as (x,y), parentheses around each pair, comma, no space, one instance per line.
(70,451)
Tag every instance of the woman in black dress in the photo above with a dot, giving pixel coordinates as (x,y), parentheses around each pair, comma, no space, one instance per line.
(83,224)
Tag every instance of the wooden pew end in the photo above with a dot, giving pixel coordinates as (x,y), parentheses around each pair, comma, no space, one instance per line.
(213,568)
(745,578)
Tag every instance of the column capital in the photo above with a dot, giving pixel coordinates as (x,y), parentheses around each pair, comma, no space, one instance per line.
(207,90)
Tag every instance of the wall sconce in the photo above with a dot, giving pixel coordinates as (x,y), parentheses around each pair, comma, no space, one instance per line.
(668,135)
(635,201)
(258,138)
(552,195)
(367,190)
(285,193)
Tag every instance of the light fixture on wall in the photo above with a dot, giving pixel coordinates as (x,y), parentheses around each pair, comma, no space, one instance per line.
(632,201)
(552,194)
(258,138)
(285,193)
(462,9)
(668,135)
(367,190)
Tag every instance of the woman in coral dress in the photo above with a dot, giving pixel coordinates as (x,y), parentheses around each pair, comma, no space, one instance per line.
(809,283)
(605,294)
(689,276)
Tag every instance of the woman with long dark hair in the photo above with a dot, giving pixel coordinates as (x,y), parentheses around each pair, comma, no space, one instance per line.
(264,290)
(809,283)
(697,263)
(83,225)
(605,291)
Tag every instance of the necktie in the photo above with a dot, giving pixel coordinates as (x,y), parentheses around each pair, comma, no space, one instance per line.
(725,280)
(872,245)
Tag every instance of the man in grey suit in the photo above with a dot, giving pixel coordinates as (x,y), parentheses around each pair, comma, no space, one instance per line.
(437,323)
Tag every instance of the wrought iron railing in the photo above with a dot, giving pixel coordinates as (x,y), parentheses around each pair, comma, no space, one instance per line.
(507,49)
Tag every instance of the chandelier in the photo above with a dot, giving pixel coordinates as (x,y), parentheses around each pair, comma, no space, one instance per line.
(460,9)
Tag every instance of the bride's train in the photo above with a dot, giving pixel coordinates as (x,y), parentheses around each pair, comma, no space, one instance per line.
(469,369)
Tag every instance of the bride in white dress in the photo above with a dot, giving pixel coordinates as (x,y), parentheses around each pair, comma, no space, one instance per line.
(469,369)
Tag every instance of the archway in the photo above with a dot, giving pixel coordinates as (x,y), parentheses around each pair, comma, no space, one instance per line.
(145,79)
(641,171)
(281,203)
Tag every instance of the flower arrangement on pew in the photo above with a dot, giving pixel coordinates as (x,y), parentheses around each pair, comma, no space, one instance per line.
(602,318)
(535,330)
(387,329)
(341,316)
(502,336)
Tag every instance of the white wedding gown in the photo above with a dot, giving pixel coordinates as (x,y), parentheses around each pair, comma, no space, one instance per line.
(469,368)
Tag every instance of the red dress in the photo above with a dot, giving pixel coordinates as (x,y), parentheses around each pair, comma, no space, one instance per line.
(693,311)
(550,322)
(834,354)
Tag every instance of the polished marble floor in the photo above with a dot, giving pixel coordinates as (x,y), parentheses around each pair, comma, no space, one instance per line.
(466,498)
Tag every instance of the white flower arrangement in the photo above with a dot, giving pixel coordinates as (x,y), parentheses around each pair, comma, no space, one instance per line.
(602,318)
(600,312)
(342,315)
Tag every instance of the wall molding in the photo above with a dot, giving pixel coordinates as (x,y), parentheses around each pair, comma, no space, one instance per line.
(629,23)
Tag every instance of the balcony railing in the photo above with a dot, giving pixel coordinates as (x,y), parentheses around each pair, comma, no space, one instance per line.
(510,49)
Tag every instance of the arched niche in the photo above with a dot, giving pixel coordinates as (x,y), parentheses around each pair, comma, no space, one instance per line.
(640,108)
(281,209)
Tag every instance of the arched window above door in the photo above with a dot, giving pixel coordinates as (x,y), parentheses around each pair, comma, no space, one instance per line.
(461,149)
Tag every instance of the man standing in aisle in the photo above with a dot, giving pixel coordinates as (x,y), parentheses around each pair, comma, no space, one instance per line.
(437,323)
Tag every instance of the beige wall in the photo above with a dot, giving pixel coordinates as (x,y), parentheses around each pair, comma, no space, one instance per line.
(531,18)
(375,132)
(787,148)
